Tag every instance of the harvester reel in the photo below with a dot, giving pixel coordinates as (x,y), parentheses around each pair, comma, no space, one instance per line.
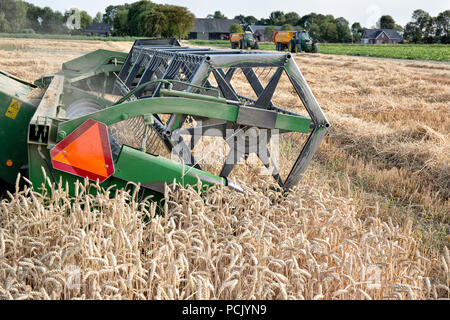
(195,67)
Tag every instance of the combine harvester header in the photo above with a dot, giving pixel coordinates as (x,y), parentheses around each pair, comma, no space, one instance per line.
(118,118)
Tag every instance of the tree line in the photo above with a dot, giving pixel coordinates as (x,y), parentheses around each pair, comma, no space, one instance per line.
(141,18)
(19,16)
(147,19)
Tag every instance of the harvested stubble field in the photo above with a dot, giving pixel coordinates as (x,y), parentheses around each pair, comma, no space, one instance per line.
(373,205)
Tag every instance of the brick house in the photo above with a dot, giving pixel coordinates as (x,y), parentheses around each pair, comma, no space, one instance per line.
(380,36)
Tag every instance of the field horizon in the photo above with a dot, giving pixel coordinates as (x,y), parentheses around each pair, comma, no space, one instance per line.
(426,52)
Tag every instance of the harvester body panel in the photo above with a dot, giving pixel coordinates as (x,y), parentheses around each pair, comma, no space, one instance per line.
(17,106)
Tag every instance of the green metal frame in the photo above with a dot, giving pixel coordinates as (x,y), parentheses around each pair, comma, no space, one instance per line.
(153,173)
(178,105)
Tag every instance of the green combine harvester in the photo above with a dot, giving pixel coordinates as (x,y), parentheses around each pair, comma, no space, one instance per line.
(117,118)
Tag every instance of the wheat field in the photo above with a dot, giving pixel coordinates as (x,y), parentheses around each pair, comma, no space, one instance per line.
(369,220)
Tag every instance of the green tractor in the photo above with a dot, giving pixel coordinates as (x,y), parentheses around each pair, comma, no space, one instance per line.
(243,41)
(294,41)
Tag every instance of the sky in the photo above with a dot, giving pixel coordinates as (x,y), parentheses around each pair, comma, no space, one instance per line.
(367,12)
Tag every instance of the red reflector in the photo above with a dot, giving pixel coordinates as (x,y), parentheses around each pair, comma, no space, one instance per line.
(85,152)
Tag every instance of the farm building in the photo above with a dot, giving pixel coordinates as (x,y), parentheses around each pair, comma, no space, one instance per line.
(258,31)
(212,29)
(381,36)
(98,29)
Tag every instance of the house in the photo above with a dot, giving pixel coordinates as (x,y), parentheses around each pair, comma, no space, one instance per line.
(258,31)
(380,36)
(98,29)
(212,29)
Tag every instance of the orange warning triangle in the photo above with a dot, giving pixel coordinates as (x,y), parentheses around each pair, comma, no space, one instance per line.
(85,152)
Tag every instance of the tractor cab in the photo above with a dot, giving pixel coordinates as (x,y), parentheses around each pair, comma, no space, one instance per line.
(248,36)
(305,42)
(303,35)
(243,41)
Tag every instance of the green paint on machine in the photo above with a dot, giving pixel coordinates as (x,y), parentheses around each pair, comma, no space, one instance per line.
(15,115)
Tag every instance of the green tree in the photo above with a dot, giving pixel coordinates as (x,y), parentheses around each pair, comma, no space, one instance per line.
(152,23)
(166,21)
(442,32)
(329,33)
(98,17)
(180,21)
(120,23)
(399,29)
(387,22)
(425,23)
(241,18)
(246,20)
(421,17)
(111,12)
(52,21)
(217,15)
(292,18)
(277,18)
(268,32)
(86,19)
(4,26)
(263,22)
(287,27)
(308,20)
(249,20)
(412,33)
(134,14)
(357,31)
(44,20)
(13,19)
(320,27)
(323,27)
(34,14)
(236,28)
(343,30)
(420,29)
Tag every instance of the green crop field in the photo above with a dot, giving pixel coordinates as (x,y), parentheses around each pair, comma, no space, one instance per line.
(436,52)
